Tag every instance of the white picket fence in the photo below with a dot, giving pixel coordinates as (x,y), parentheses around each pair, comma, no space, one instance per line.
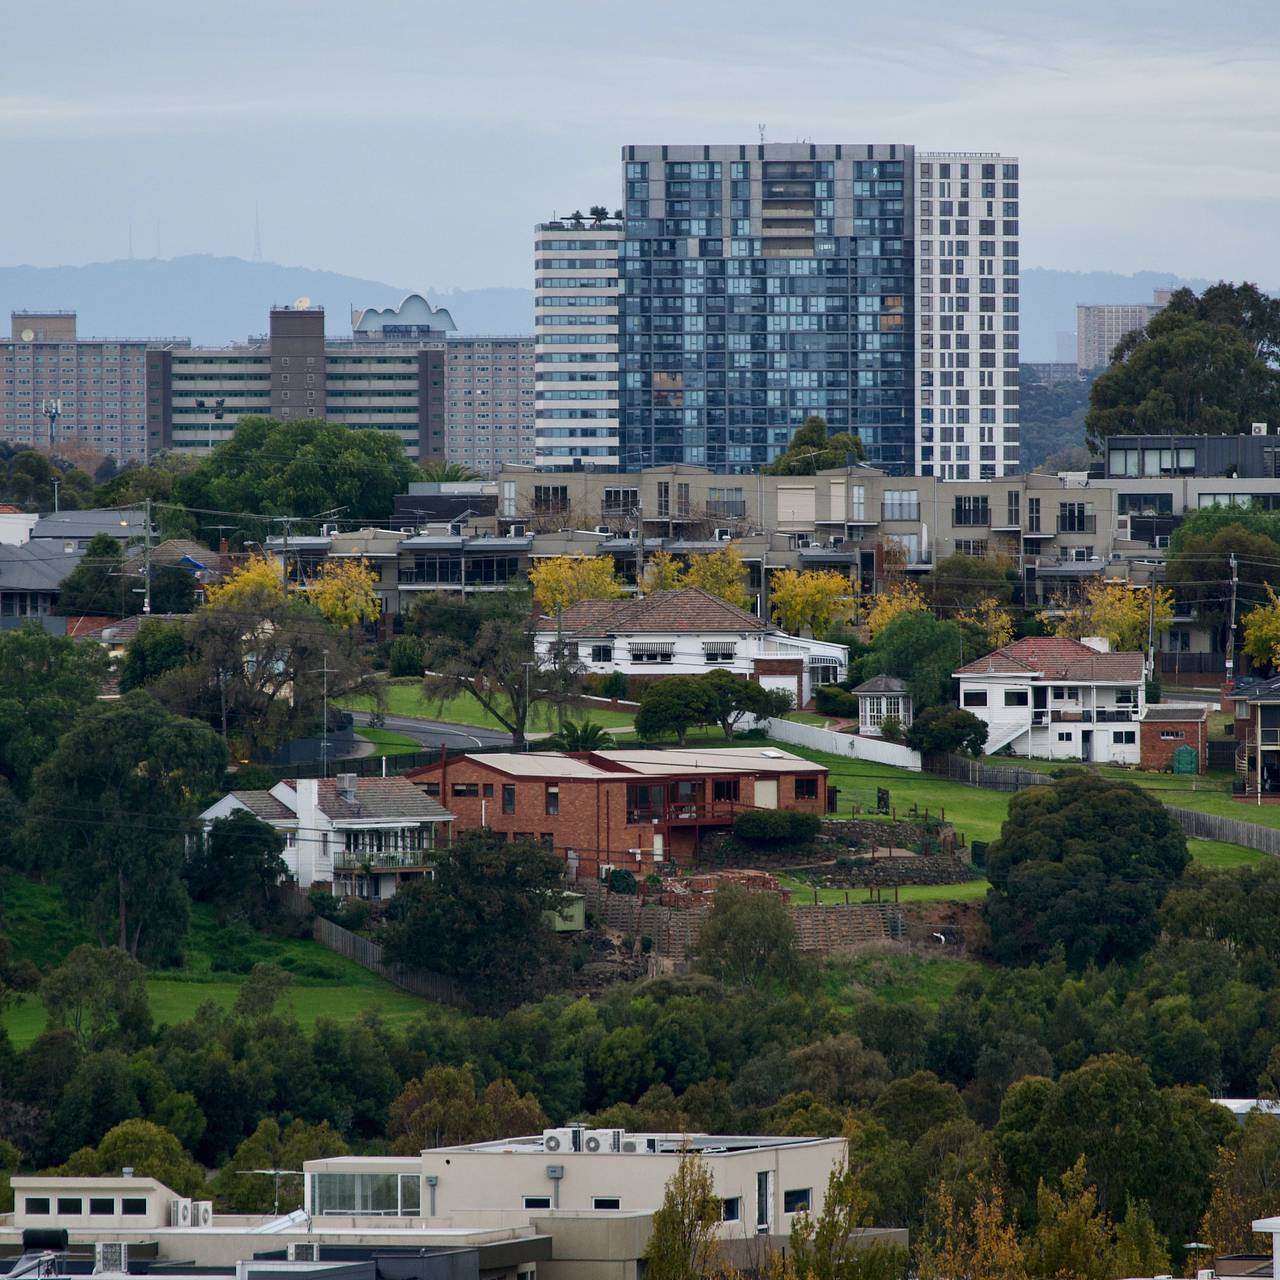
(843,744)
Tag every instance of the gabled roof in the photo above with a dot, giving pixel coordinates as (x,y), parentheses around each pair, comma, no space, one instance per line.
(119,523)
(1256,689)
(688,610)
(126,630)
(1057,658)
(262,804)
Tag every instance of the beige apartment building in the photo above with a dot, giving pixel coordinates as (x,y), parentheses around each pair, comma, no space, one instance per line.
(1100,326)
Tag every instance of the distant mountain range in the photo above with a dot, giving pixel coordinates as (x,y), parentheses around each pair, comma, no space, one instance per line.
(216,300)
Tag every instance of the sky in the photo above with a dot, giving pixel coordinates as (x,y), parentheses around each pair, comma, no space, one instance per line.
(418,141)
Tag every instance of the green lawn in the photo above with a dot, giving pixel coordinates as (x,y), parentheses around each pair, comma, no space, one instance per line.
(896,977)
(388,743)
(809,717)
(964,891)
(405,698)
(324,984)
(1217,853)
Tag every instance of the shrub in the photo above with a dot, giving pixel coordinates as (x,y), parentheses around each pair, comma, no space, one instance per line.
(891,729)
(1153,691)
(776,828)
(622,881)
(609,684)
(834,701)
(408,656)
(944,728)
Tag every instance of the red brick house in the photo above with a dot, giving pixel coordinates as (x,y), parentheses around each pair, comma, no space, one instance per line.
(621,808)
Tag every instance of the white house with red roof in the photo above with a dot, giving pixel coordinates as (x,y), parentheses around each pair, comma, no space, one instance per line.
(686,633)
(1052,698)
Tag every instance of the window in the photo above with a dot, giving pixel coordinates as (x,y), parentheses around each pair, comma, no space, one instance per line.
(1015,697)
(550,498)
(1126,697)
(606,1202)
(102,1206)
(1125,737)
(537,1202)
(731,1209)
(508,797)
(975,697)
(552,800)
(796,1201)
(724,789)
(488,790)
(547,840)
(806,788)
(1167,734)
(762,1200)
(465,789)
(719,650)
(410,1193)
(36,1205)
(133,1206)
(602,653)
(70,1205)
(1064,737)
(971,510)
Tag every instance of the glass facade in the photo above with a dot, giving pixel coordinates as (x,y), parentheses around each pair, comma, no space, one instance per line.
(386,1194)
(762,285)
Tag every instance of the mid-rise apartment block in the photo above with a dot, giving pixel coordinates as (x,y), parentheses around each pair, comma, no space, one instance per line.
(60,390)
(1100,326)
(461,397)
(576,302)
(872,284)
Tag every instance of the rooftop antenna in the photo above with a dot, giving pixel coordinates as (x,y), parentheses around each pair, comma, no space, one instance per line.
(762,129)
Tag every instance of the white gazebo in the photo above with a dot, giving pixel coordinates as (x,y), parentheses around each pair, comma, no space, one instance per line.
(879,699)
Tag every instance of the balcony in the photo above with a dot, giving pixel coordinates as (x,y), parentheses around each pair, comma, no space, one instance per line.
(392,861)
(688,811)
(1100,715)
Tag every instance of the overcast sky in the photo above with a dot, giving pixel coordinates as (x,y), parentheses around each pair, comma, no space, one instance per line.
(417,141)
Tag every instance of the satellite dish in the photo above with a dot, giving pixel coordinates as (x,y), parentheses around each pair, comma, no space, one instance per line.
(302,303)
(28,335)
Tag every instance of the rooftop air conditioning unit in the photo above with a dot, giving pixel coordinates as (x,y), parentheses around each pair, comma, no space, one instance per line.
(603,528)
(516,531)
(179,1213)
(629,1146)
(1259,428)
(110,1255)
(562,1139)
(837,542)
(722,535)
(202,1213)
(1123,527)
(597,1140)
(803,542)
(1162,540)
(633,534)
(304,1252)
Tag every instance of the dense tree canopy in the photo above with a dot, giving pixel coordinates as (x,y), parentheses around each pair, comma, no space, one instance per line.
(1200,367)
(1083,865)
(920,649)
(299,468)
(814,448)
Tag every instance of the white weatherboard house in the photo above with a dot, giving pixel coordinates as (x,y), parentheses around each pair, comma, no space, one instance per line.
(686,633)
(362,837)
(1057,699)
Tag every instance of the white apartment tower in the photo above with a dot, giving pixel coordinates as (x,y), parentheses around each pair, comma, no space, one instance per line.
(966,314)
(576,310)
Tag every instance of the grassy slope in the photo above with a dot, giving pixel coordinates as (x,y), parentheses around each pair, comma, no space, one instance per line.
(324,984)
(404,698)
(388,743)
(895,977)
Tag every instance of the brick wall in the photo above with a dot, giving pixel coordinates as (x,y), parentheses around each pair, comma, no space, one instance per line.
(1157,749)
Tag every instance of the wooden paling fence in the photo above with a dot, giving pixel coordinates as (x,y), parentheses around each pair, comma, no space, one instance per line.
(1213,826)
(989,777)
(369,955)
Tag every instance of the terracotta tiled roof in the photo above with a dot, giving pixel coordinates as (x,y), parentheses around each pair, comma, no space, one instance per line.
(688,610)
(124,631)
(1057,658)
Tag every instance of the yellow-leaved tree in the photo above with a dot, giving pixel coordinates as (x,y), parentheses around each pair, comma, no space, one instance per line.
(721,573)
(897,598)
(1118,612)
(816,599)
(1262,631)
(249,586)
(346,592)
(562,581)
(663,572)
(970,1242)
(987,625)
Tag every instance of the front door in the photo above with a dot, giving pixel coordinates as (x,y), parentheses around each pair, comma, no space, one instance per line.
(1086,744)
(766,793)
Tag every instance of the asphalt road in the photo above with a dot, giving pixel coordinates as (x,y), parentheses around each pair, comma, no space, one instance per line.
(431,733)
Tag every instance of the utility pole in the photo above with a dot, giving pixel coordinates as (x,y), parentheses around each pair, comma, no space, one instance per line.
(56,483)
(1231,629)
(639,515)
(324,724)
(1151,621)
(146,559)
